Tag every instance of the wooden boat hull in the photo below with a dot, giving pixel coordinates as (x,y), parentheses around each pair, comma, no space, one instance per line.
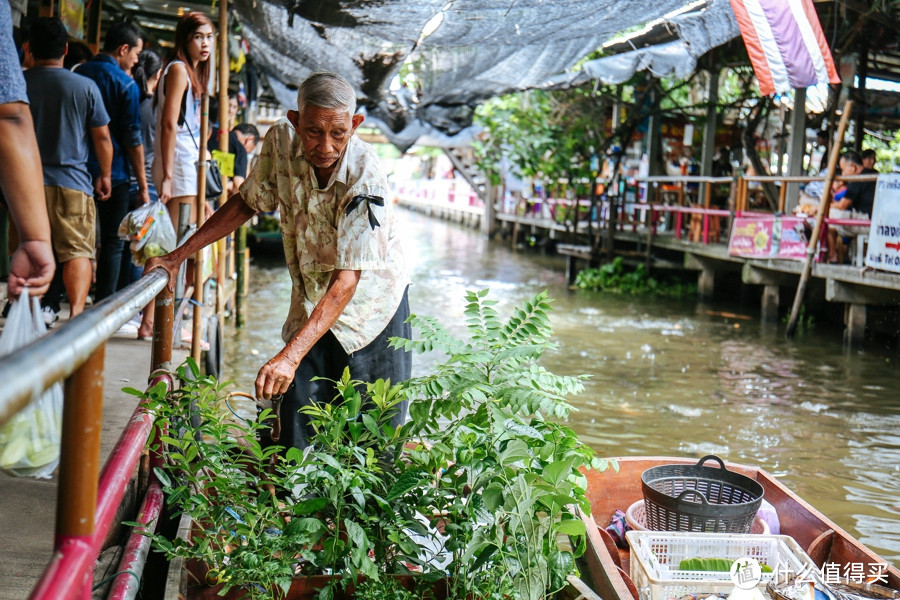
(822,539)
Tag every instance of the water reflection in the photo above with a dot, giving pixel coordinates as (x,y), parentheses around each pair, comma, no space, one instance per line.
(667,377)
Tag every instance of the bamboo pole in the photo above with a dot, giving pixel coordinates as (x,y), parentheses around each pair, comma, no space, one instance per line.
(224,129)
(197,329)
(240,294)
(824,205)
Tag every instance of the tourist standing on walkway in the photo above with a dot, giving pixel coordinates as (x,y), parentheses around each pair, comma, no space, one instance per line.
(110,71)
(176,150)
(348,273)
(68,115)
(32,263)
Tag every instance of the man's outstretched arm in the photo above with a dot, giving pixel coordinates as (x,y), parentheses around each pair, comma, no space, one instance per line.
(229,217)
(276,375)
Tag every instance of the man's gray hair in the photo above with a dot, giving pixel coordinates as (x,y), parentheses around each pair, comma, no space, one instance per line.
(326,90)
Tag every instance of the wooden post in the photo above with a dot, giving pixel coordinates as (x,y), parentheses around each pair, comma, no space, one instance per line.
(782,193)
(197,329)
(796,148)
(224,130)
(709,130)
(92,35)
(820,217)
(240,250)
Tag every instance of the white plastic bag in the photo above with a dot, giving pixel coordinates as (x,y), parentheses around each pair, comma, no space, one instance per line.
(29,442)
(150,231)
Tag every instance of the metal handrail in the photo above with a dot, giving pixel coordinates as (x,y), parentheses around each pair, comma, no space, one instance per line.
(680,179)
(31,370)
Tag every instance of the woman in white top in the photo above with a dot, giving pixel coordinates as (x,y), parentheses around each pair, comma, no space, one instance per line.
(176,149)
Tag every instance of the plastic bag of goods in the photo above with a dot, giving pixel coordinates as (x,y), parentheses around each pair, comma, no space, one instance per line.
(29,441)
(150,231)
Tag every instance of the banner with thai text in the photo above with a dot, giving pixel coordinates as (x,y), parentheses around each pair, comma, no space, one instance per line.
(768,236)
(884,234)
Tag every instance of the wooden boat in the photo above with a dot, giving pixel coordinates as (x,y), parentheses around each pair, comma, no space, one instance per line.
(609,490)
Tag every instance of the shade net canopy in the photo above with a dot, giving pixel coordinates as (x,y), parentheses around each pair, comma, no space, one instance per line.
(461,51)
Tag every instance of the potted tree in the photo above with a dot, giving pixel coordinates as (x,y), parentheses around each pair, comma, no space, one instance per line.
(468,499)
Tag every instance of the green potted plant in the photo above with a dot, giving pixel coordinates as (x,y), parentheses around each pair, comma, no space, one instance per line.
(468,499)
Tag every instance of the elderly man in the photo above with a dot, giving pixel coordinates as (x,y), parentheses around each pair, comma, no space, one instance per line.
(348,274)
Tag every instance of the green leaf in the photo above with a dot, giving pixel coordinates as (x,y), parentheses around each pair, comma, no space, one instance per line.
(571,527)
(556,472)
(515,451)
(493,496)
(404,484)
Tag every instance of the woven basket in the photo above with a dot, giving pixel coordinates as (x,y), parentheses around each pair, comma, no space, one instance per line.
(700,498)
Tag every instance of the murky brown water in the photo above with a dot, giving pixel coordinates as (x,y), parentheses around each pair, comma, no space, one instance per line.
(667,378)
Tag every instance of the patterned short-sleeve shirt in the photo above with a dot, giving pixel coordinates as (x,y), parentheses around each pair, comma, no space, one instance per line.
(321,235)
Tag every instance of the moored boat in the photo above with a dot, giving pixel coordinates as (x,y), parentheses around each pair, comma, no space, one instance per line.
(818,536)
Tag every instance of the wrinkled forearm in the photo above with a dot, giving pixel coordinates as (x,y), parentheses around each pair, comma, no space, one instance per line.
(324,315)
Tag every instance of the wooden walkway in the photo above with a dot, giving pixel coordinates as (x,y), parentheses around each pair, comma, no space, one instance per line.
(28,506)
(855,286)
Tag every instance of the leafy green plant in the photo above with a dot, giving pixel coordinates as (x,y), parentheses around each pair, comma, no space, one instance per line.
(471,494)
(509,477)
(612,277)
(218,472)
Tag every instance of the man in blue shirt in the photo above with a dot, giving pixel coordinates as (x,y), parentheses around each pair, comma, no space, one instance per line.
(68,117)
(31,264)
(110,71)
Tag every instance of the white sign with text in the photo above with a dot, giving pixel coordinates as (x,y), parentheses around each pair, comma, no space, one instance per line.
(884,234)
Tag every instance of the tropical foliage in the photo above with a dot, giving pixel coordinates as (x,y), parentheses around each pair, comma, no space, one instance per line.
(473,492)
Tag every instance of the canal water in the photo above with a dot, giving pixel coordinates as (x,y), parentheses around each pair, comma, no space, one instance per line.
(667,377)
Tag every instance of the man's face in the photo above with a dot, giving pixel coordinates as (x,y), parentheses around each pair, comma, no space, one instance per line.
(247,141)
(127,56)
(849,168)
(324,132)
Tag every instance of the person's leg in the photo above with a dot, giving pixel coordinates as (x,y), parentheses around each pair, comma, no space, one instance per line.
(110,213)
(379,361)
(53,298)
(72,223)
(77,278)
(326,359)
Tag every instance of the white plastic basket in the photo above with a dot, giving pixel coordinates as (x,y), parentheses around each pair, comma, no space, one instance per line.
(656,556)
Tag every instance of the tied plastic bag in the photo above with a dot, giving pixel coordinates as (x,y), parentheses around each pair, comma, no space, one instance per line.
(29,442)
(150,231)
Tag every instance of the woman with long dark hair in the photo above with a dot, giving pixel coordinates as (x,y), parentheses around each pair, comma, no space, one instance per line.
(146,74)
(176,149)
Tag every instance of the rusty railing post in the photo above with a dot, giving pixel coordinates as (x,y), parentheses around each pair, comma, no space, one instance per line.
(163,333)
(79,460)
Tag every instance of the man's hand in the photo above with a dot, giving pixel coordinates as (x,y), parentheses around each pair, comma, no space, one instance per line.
(103,187)
(170,263)
(31,266)
(143,195)
(276,376)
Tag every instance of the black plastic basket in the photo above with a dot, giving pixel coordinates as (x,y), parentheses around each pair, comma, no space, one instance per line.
(699,498)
